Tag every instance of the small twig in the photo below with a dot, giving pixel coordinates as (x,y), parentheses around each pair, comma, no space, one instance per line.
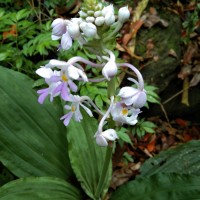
(175,95)
(165,113)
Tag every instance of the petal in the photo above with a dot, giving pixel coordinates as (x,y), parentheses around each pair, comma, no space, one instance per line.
(110,134)
(73,72)
(77,115)
(66,41)
(55,78)
(59,27)
(54,37)
(65,92)
(56,22)
(101,141)
(67,118)
(43,96)
(56,63)
(44,72)
(42,90)
(127,92)
(132,121)
(140,99)
(89,112)
(72,86)
(57,89)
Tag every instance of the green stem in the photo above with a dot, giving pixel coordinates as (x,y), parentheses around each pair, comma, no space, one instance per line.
(108,157)
(111,87)
(104,173)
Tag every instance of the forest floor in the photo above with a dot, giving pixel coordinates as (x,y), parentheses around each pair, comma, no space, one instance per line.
(170,131)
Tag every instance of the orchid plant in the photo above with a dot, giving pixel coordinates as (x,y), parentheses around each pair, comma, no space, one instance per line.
(95,30)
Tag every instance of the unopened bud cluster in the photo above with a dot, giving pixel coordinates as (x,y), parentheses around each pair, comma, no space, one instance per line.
(95,22)
(62,77)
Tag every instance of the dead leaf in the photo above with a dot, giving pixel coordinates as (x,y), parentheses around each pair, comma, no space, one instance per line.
(191,50)
(185,71)
(152,144)
(172,53)
(181,122)
(152,18)
(122,175)
(11,32)
(195,80)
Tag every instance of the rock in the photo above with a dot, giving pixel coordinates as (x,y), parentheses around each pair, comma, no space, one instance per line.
(155,45)
(161,49)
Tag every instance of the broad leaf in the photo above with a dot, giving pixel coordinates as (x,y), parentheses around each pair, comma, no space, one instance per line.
(32,138)
(39,188)
(182,159)
(160,187)
(86,156)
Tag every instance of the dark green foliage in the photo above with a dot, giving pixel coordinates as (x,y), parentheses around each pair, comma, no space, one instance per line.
(32,138)
(25,31)
(160,187)
(184,159)
(86,156)
(40,188)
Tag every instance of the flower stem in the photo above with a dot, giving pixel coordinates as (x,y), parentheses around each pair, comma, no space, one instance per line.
(137,72)
(111,87)
(104,173)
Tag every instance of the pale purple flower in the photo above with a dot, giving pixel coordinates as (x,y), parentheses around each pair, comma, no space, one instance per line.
(71,71)
(43,93)
(133,96)
(64,86)
(63,78)
(47,73)
(77,101)
(124,114)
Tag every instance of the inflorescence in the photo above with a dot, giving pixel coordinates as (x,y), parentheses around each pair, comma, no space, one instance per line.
(94,29)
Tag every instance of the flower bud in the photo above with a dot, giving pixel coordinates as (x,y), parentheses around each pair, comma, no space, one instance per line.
(110,135)
(88,29)
(59,28)
(109,19)
(133,96)
(90,19)
(73,30)
(82,14)
(97,13)
(90,12)
(103,138)
(99,21)
(110,69)
(123,14)
(108,10)
(101,141)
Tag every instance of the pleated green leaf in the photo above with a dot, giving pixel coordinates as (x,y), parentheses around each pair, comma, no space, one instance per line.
(32,138)
(39,188)
(184,159)
(86,156)
(160,187)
